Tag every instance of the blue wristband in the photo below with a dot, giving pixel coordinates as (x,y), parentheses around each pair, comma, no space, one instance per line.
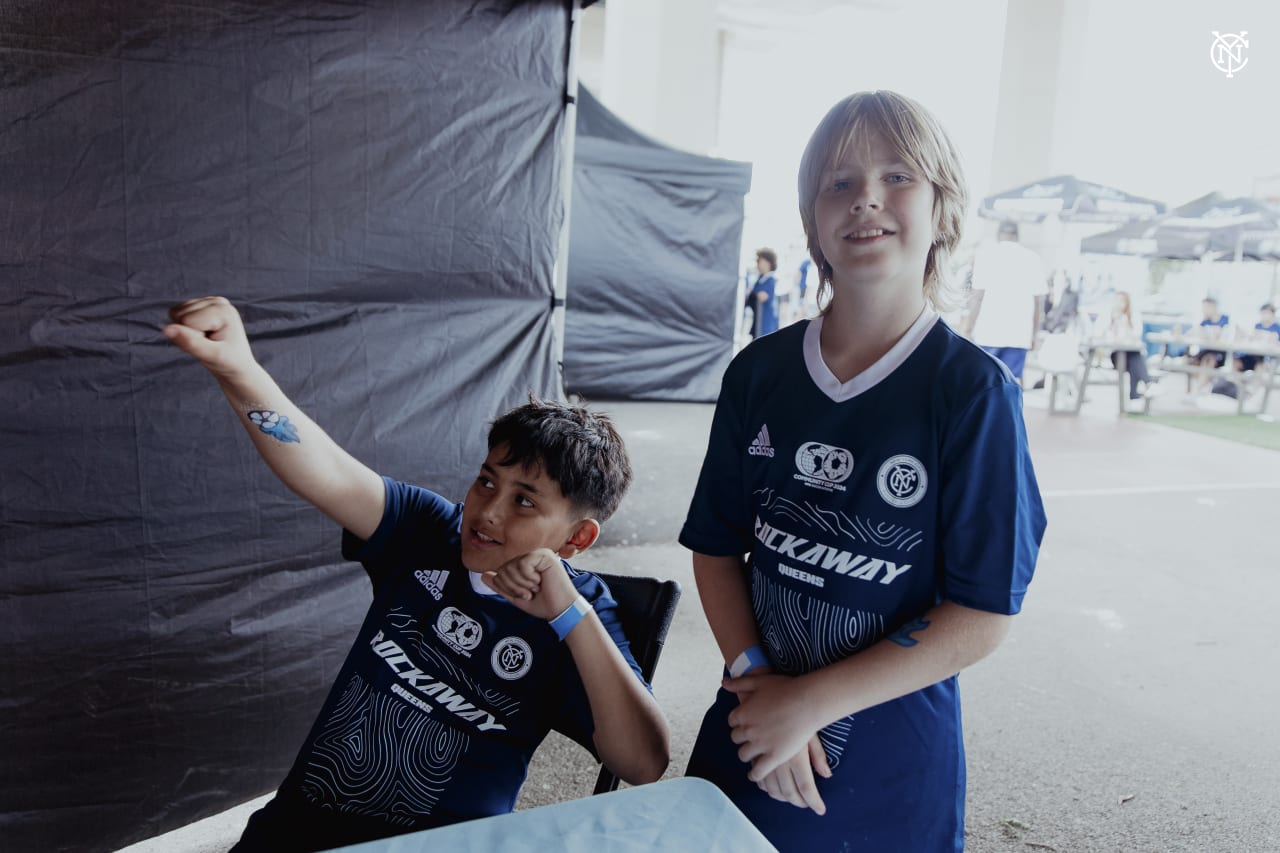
(565,622)
(751,658)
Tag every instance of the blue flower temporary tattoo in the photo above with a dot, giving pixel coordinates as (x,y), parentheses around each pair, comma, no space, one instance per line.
(903,637)
(275,425)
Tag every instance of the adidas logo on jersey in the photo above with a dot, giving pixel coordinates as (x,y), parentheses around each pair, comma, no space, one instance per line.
(761,446)
(433,582)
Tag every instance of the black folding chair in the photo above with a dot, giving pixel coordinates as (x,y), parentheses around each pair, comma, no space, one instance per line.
(645,608)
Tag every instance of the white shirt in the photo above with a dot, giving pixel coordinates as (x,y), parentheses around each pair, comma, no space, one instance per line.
(1011,278)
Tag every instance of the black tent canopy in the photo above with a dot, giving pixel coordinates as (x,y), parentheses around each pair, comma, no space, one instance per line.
(654,237)
(378,186)
(1212,225)
(1069,198)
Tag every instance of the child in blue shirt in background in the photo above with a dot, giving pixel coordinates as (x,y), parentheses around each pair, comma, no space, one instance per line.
(867,520)
(1266,330)
(763,298)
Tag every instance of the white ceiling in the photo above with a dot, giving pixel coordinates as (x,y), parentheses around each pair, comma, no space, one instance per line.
(750,17)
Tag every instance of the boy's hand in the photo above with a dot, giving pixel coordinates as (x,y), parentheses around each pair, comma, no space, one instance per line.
(209,329)
(536,583)
(792,781)
(771,721)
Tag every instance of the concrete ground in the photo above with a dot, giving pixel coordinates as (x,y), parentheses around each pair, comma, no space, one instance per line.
(1133,707)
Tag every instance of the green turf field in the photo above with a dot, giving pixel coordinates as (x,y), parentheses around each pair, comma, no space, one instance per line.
(1247,429)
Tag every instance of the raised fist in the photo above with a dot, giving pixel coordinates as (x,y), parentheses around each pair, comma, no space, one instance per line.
(209,329)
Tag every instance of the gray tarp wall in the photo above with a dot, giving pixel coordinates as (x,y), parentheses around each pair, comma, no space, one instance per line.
(654,237)
(378,185)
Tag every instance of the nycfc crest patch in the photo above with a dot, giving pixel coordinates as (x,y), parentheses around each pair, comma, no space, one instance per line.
(458,631)
(511,658)
(902,481)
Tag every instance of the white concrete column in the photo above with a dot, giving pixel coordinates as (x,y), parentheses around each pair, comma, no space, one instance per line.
(1038,117)
(660,69)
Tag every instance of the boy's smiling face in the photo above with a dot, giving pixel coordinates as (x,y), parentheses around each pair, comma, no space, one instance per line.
(511,510)
(874,216)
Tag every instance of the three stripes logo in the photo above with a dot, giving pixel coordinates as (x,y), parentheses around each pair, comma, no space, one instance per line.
(433,582)
(760,446)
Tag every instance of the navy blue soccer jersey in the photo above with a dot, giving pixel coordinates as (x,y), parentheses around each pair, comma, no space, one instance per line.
(442,699)
(861,505)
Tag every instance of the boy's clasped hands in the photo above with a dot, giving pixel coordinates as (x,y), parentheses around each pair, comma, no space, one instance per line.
(770,726)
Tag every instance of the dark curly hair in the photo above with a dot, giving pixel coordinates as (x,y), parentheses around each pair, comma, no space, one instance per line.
(579,449)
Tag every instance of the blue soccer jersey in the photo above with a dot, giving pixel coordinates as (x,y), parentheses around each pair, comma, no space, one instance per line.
(443,698)
(766,311)
(862,505)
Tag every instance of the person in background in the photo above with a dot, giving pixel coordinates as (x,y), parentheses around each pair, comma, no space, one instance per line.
(1065,309)
(763,298)
(1212,327)
(802,289)
(1266,330)
(1121,325)
(1004,310)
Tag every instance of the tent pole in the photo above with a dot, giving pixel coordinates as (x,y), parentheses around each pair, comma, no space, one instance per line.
(560,272)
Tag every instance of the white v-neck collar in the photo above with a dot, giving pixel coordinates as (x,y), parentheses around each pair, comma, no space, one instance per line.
(841,391)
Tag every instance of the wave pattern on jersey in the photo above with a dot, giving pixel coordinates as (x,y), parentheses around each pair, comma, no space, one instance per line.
(859,529)
(803,634)
(405,624)
(379,756)
(833,739)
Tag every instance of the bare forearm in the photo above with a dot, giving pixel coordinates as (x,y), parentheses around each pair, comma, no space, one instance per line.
(630,731)
(210,330)
(726,601)
(944,641)
(302,455)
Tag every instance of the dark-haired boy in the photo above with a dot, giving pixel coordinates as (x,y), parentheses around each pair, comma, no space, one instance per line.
(1266,330)
(480,638)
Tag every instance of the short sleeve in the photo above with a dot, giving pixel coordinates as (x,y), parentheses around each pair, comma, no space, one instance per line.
(414,521)
(575,719)
(991,516)
(719,520)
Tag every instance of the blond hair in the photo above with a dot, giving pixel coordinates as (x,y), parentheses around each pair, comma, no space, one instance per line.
(918,139)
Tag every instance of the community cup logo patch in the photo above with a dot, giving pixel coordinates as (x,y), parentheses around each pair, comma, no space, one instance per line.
(458,630)
(823,466)
(511,658)
(902,481)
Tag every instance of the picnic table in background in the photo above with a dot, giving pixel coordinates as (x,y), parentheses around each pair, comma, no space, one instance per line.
(1264,376)
(1068,361)
(1105,346)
